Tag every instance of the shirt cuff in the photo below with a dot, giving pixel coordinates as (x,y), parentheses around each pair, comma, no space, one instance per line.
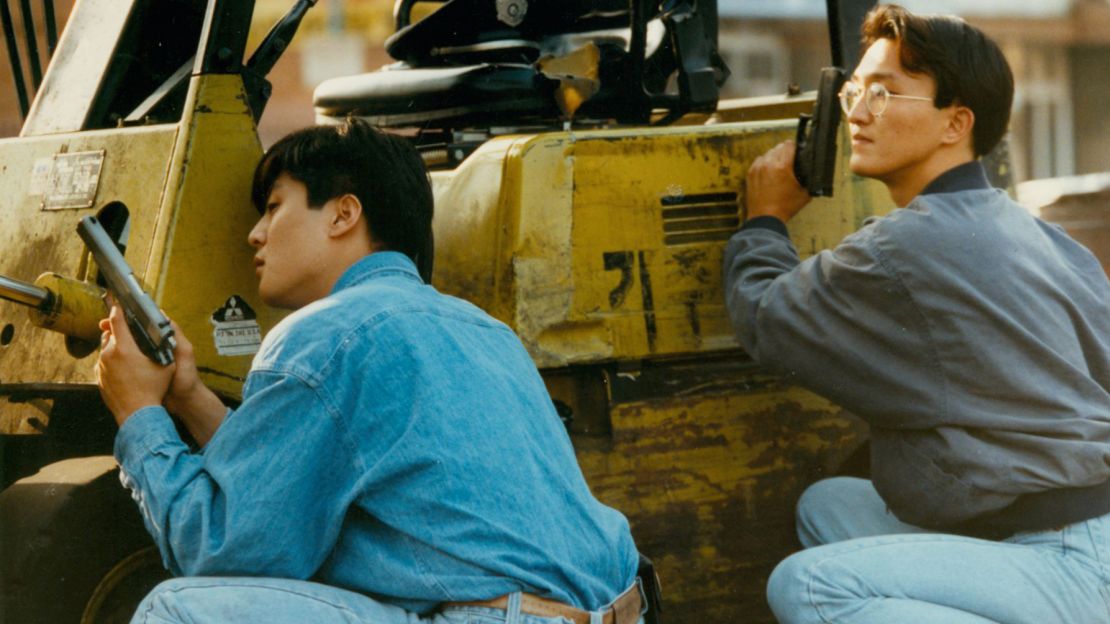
(144,430)
(766,222)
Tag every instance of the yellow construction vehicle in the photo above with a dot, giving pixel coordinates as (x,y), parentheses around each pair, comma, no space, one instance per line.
(586,180)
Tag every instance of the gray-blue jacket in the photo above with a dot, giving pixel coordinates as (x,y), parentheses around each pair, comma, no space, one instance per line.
(971,336)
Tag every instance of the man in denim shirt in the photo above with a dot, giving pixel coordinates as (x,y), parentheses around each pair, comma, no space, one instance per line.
(972,337)
(394,445)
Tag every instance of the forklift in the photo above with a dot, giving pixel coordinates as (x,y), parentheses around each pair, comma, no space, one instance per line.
(587,177)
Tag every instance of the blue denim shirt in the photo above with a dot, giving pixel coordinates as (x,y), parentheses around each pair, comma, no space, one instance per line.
(391,440)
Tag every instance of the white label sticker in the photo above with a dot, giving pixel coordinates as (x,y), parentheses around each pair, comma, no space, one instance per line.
(236,332)
(238,338)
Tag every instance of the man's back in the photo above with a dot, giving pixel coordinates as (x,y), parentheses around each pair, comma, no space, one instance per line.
(1001,294)
(455,475)
(970,335)
(1012,321)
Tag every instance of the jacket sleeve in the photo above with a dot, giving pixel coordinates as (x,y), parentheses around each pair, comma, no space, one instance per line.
(840,323)
(266,497)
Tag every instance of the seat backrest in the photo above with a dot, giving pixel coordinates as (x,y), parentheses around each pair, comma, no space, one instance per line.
(464,24)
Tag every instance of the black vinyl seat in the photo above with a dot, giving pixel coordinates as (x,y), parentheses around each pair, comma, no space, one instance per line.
(438,96)
(519,63)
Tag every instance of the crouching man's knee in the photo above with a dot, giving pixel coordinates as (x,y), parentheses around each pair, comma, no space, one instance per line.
(787,591)
(167,602)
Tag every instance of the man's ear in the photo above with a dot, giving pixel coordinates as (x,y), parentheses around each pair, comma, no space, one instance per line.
(960,124)
(346,215)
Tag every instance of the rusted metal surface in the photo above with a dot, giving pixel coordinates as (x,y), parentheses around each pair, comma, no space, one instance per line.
(707,464)
(607,245)
(75,309)
(36,241)
(186,186)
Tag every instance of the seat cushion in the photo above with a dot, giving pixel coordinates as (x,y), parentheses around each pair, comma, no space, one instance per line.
(399,96)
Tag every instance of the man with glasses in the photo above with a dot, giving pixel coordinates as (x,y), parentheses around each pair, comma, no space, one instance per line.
(972,337)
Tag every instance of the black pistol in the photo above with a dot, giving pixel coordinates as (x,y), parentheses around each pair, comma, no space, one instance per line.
(815,155)
(152,330)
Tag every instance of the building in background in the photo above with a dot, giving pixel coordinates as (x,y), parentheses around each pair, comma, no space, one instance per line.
(337,38)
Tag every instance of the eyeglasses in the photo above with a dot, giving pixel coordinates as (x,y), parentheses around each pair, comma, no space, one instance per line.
(875,96)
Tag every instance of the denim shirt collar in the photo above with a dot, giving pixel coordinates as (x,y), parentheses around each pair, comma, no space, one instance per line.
(377,264)
(970,176)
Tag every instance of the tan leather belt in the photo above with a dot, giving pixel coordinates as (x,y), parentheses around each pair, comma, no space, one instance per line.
(625,609)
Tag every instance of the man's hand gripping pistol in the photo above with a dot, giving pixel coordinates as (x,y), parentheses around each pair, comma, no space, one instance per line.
(815,155)
(152,330)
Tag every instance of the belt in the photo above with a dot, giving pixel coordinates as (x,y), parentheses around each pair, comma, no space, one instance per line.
(625,609)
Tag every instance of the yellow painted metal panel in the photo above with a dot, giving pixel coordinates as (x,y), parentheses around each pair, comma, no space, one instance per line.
(187,189)
(607,245)
(470,227)
(36,240)
(203,257)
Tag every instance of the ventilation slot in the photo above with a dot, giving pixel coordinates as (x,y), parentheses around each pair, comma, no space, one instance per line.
(699,218)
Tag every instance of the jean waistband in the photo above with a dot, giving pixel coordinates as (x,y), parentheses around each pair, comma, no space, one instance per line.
(626,609)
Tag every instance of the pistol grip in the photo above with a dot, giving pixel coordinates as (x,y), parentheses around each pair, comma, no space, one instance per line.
(801,149)
(148,349)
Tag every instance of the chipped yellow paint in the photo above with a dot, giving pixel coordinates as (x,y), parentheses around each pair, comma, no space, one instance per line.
(579,240)
(77,307)
(709,483)
(203,256)
(602,249)
(186,186)
(36,241)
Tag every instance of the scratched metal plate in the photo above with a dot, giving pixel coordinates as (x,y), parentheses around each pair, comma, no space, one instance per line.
(73,180)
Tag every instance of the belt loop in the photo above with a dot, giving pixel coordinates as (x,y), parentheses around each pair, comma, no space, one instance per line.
(512,610)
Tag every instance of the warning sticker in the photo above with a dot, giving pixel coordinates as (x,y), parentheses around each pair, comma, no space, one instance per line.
(236,330)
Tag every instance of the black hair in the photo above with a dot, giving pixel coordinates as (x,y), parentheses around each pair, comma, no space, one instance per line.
(968,67)
(383,171)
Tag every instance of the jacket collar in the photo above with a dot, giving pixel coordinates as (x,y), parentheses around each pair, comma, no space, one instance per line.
(377,264)
(970,176)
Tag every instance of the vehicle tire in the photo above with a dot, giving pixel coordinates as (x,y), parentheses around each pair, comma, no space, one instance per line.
(73,548)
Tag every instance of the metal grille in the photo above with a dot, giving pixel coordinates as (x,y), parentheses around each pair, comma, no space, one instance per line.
(699,218)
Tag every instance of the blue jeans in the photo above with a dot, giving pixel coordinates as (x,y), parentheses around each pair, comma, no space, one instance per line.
(223,600)
(862,565)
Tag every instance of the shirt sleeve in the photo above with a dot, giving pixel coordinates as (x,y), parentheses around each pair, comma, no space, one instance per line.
(840,323)
(266,497)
